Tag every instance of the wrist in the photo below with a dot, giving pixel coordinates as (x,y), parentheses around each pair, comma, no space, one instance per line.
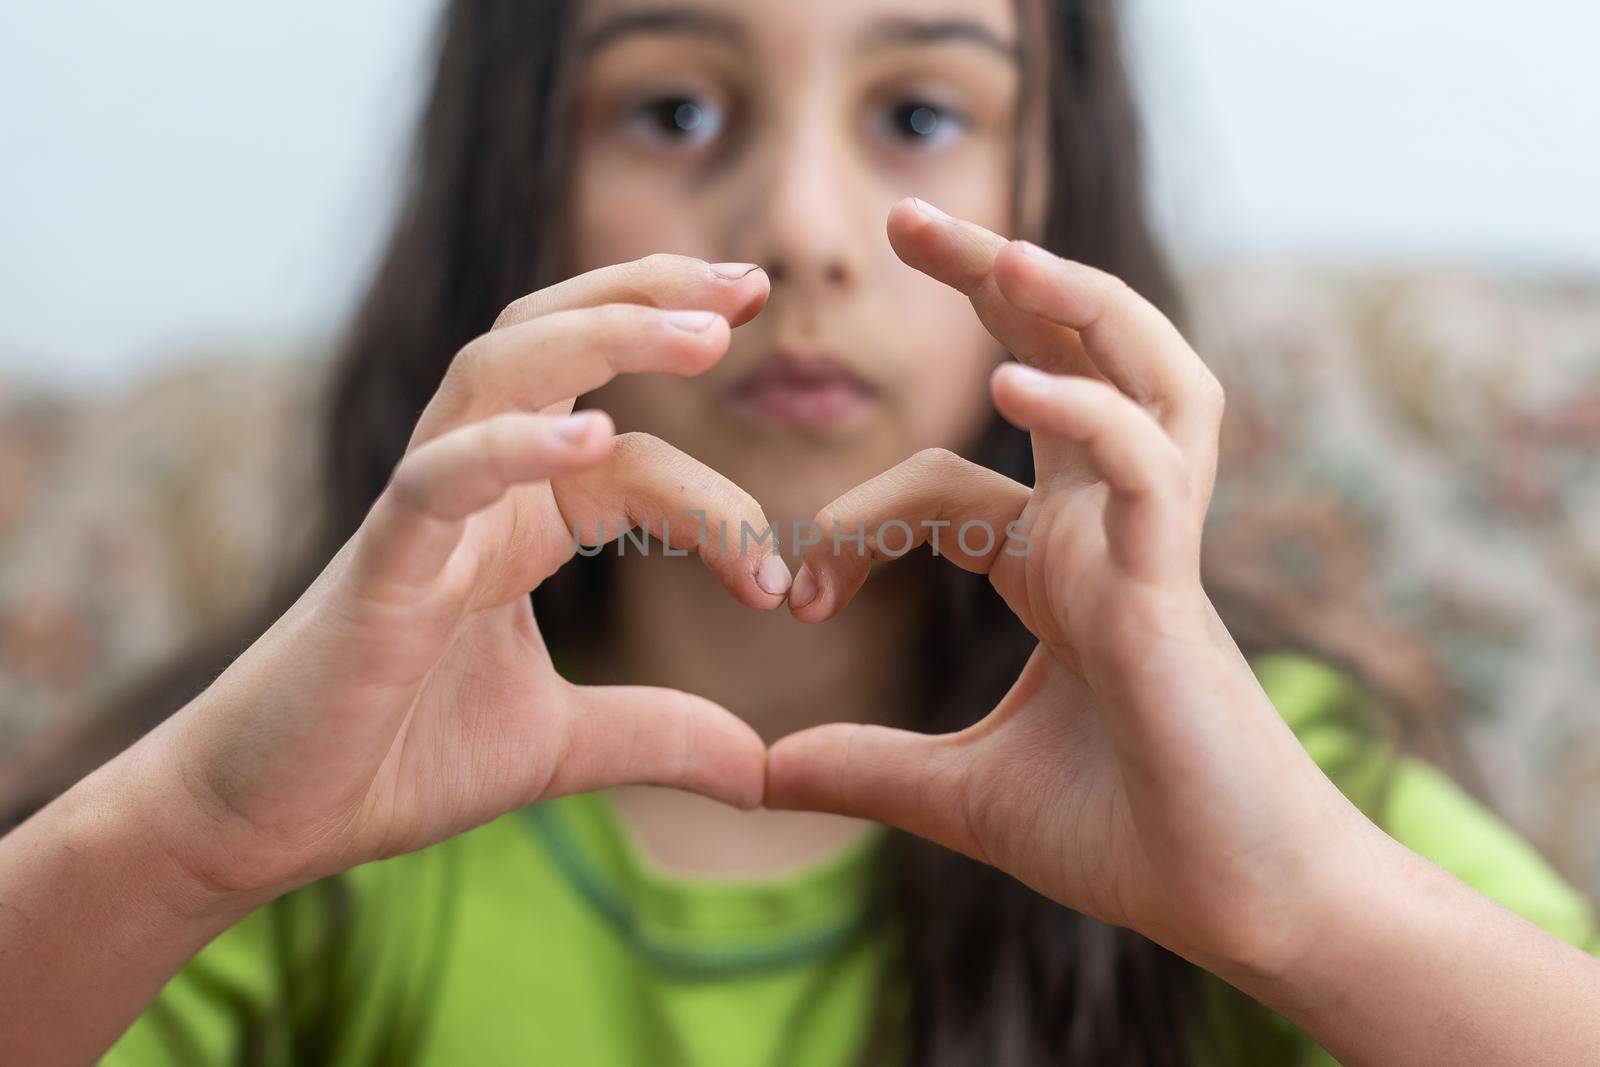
(1356,903)
(96,918)
(136,815)
(1404,963)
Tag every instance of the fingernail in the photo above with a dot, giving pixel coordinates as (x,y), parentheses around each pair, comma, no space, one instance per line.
(773,576)
(929,210)
(804,590)
(692,321)
(1029,248)
(575,428)
(733,271)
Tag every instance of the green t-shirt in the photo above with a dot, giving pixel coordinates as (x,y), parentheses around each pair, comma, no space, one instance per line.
(546,937)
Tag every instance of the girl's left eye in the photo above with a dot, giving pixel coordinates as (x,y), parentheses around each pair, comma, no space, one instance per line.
(919,123)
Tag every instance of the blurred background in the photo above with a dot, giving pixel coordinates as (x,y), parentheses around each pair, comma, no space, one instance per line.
(1384,212)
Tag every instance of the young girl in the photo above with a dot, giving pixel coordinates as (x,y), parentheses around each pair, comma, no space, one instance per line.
(1120,794)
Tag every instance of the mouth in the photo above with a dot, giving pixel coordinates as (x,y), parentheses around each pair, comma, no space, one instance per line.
(808,391)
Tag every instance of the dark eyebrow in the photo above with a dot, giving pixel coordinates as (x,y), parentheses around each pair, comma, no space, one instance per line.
(662,20)
(897,31)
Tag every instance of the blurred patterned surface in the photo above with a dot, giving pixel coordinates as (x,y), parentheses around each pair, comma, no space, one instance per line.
(1412,477)
(1411,480)
(132,524)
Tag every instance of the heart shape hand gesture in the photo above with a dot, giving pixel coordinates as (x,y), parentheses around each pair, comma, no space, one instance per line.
(409,695)
(1135,771)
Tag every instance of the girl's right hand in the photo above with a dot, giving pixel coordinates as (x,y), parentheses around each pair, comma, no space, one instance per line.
(408,694)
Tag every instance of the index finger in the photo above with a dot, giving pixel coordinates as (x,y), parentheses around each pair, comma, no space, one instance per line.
(965,511)
(1137,347)
(648,484)
(961,254)
(1067,317)
(736,291)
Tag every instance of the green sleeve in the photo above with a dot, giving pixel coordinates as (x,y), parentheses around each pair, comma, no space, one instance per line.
(228,1004)
(1417,805)
(334,974)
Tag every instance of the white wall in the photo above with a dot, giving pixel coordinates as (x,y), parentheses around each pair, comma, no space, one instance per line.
(1441,128)
(175,173)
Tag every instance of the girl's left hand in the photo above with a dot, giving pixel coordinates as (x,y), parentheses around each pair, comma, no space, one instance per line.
(1135,771)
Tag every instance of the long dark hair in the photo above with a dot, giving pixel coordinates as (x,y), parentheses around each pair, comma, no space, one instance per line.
(989,971)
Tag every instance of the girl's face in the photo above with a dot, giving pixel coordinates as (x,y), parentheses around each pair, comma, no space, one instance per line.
(781,134)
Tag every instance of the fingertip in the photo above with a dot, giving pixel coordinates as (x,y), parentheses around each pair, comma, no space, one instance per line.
(805,588)
(903,212)
(778,786)
(753,287)
(735,776)
(1013,381)
(773,578)
(809,598)
(586,430)
(734,272)
(759,584)
(836,588)
(1025,396)
(1013,265)
(731,765)
(909,220)
(707,334)
(746,788)
(583,440)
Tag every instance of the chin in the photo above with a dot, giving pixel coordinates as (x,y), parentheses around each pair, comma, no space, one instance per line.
(794,483)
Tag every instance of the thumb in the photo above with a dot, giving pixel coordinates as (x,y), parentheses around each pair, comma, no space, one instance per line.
(640,735)
(916,782)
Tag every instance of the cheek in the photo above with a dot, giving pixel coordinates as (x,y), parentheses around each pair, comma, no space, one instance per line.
(946,400)
(974,182)
(617,216)
(671,408)
(946,354)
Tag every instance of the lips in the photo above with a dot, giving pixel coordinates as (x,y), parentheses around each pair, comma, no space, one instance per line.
(803,391)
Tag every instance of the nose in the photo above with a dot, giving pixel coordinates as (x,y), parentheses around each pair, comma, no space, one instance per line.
(832,270)
(802,204)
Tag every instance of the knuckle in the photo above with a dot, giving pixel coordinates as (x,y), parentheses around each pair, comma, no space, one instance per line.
(1177,466)
(507,442)
(408,485)
(619,322)
(609,318)
(494,440)
(465,365)
(655,266)
(635,447)
(1110,287)
(829,517)
(604,332)
(1120,300)
(523,307)
(659,262)
(1149,398)
(936,459)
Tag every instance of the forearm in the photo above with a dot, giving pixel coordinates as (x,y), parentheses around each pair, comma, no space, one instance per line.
(94,919)
(1411,966)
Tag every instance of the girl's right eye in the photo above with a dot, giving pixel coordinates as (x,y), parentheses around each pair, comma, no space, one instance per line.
(676,120)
